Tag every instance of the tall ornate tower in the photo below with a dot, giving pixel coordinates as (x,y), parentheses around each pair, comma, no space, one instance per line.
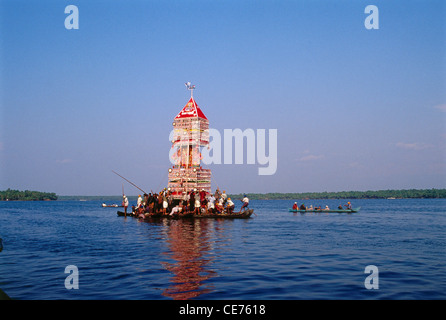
(190,134)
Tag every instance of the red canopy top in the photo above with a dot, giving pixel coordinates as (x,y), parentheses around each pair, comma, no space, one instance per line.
(191,109)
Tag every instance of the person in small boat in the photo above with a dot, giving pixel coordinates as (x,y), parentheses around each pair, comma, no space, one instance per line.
(153,202)
(230,206)
(217,194)
(340,207)
(141,215)
(164,202)
(139,202)
(302,207)
(169,197)
(326,208)
(224,196)
(197,204)
(183,207)
(203,197)
(159,198)
(137,211)
(295,207)
(192,200)
(211,203)
(348,206)
(219,205)
(125,203)
(177,210)
(245,204)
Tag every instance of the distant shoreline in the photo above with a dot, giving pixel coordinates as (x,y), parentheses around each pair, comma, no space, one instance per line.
(116,199)
(380,194)
(27,195)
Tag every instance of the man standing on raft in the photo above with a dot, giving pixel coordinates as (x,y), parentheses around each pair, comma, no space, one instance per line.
(245,203)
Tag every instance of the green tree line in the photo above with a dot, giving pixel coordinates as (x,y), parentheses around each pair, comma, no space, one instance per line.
(380,194)
(26,195)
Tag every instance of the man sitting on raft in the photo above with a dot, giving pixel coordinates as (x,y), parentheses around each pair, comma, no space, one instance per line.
(230,206)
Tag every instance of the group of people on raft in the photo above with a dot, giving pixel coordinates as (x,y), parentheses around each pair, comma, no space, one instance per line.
(347,206)
(193,202)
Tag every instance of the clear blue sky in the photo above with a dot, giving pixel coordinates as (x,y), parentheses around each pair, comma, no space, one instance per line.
(355,109)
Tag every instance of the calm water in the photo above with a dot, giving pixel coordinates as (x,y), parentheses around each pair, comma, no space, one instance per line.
(274,255)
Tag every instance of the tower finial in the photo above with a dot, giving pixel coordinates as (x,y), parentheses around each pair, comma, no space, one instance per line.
(190,87)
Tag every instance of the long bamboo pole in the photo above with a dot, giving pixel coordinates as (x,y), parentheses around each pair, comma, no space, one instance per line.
(129,181)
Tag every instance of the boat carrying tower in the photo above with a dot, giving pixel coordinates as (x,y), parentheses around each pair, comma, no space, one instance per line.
(190,135)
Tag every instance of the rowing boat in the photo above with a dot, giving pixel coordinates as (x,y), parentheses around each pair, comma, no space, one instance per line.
(331,210)
(149,216)
(236,215)
(110,205)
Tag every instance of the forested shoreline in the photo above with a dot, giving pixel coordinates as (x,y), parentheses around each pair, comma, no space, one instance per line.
(13,195)
(379,194)
(27,195)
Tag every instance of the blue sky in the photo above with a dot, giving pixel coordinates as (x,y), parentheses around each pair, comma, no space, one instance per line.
(355,109)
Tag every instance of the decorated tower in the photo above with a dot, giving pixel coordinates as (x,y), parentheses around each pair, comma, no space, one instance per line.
(190,135)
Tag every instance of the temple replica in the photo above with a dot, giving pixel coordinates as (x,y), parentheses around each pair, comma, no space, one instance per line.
(190,135)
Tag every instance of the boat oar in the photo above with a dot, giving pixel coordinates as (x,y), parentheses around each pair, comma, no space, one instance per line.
(129,181)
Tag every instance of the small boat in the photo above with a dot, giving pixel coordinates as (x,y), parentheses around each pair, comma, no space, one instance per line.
(109,205)
(158,215)
(236,215)
(331,210)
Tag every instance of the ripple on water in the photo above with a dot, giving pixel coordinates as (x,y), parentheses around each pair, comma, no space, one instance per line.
(275,255)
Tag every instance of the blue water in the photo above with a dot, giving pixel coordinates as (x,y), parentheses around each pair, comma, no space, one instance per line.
(274,255)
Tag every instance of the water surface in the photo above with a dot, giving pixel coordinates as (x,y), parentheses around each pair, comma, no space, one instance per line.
(274,255)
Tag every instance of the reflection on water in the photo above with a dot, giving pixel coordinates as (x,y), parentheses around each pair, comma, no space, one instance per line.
(190,246)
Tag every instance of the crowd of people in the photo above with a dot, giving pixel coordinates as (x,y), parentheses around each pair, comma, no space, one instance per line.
(194,201)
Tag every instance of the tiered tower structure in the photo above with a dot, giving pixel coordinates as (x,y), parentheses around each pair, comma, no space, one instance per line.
(190,135)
